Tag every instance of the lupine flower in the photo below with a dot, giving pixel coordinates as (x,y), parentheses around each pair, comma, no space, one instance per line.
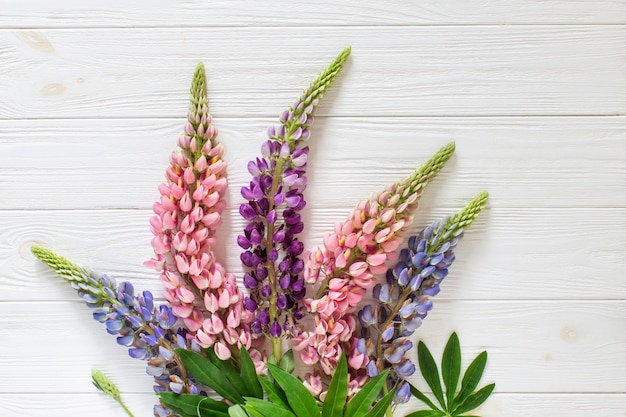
(271,257)
(405,299)
(199,289)
(358,249)
(146,329)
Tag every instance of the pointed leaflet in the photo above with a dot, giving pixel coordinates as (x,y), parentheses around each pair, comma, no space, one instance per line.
(248,374)
(229,371)
(420,396)
(361,402)
(237,411)
(287,362)
(472,377)
(194,405)
(300,399)
(382,405)
(427,413)
(335,399)
(267,408)
(428,367)
(274,393)
(475,400)
(208,374)
(451,368)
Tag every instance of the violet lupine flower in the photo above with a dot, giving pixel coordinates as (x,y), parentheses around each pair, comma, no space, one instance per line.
(201,293)
(405,299)
(274,197)
(347,265)
(149,331)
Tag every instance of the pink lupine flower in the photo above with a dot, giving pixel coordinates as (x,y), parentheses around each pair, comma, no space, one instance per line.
(347,264)
(202,294)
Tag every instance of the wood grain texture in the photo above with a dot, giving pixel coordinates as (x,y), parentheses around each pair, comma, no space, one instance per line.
(552,342)
(543,162)
(507,254)
(162,13)
(93,96)
(400,71)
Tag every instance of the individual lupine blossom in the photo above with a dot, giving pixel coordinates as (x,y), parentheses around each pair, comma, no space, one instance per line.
(271,257)
(149,331)
(406,298)
(347,265)
(199,289)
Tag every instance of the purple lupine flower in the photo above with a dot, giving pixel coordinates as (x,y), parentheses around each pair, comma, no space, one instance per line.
(149,331)
(271,248)
(406,298)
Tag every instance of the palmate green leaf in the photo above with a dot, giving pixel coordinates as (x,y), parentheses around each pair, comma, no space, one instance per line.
(451,368)
(274,393)
(248,374)
(266,408)
(190,405)
(335,399)
(206,373)
(475,400)
(423,398)
(427,413)
(360,403)
(472,377)
(300,399)
(382,405)
(429,371)
(230,371)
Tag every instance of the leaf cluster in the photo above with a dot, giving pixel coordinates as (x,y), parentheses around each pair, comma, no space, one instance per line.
(280,394)
(454,403)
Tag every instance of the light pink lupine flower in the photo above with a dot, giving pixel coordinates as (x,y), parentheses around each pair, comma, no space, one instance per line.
(347,264)
(202,294)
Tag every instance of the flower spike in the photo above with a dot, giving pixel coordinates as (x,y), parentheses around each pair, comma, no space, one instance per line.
(202,294)
(351,258)
(272,250)
(146,329)
(412,283)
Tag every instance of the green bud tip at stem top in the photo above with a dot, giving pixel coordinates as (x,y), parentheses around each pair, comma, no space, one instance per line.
(59,264)
(104,384)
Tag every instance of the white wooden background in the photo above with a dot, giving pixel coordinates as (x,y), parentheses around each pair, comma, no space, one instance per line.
(94,94)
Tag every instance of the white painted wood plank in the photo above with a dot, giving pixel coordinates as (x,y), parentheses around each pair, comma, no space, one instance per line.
(507,254)
(549,347)
(522,162)
(499,404)
(145,13)
(394,71)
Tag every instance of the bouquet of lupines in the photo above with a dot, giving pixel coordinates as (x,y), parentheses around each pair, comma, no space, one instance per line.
(217,350)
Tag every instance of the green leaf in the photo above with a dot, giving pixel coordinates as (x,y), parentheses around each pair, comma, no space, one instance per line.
(190,405)
(472,377)
(300,399)
(451,368)
(337,394)
(230,372)
(429,371)
(274,392)
(237,411)
(206,373)
(361,402)
(267,408)
(475,400)
(427,413)
(249,376)
(287,362)
(423,398)
(382,405)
